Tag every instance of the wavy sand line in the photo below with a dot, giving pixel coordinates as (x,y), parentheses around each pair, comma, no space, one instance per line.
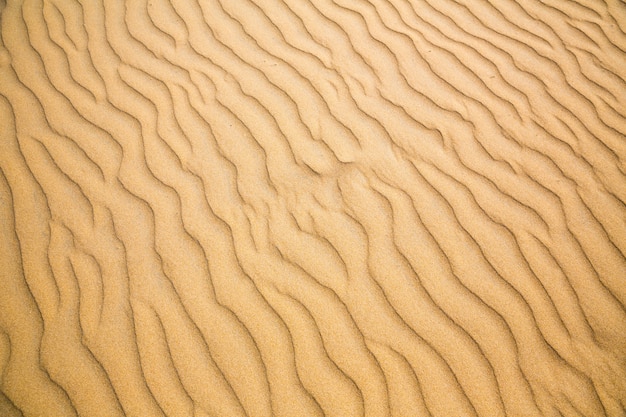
(381,208)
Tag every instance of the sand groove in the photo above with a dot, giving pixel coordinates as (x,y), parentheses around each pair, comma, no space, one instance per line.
(313,208)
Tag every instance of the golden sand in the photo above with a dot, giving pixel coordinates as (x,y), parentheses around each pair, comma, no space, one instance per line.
(313,207)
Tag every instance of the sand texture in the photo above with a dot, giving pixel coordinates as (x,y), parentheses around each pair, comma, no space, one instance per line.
(304,208)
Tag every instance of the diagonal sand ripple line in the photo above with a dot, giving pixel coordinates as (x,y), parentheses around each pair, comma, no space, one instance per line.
(312,207)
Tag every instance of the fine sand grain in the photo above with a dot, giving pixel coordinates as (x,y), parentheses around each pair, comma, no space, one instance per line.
(303,208)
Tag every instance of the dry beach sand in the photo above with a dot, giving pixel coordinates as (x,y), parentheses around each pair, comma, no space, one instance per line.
(313,207)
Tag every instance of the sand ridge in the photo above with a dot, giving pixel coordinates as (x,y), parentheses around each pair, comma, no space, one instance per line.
(313,208)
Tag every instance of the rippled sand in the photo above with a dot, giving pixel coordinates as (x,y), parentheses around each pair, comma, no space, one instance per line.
(313,207)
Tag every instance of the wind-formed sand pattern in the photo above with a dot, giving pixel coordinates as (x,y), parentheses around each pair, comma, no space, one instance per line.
(313,207)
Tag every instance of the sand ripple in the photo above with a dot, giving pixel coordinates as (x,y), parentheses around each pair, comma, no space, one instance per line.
(313,207)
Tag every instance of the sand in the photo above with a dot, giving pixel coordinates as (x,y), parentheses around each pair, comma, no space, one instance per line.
(313,207)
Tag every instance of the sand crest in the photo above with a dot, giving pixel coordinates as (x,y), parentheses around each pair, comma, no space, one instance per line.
(313,208)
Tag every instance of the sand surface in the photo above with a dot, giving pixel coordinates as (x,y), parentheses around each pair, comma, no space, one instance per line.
(303,208)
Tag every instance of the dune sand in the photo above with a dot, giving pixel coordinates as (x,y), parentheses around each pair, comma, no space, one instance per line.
(313,207)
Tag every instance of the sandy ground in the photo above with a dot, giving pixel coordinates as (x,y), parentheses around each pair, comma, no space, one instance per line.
(313,207)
